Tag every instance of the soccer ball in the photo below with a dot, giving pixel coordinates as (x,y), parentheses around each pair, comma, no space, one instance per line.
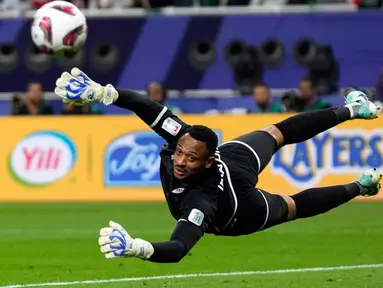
(59,28)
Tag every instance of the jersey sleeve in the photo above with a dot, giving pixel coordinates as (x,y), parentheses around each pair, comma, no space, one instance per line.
(183,239)
(154,114)
(200,207)
(168,126)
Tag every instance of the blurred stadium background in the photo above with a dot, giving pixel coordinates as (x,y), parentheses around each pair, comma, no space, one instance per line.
(235,65)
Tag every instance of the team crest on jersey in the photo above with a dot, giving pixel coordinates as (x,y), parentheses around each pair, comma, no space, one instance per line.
(178,190)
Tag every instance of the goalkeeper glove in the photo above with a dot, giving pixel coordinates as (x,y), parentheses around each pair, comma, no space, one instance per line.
(77,88)
(116,242)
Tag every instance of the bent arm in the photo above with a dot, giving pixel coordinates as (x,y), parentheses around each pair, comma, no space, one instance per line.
(154,114)
(184,237)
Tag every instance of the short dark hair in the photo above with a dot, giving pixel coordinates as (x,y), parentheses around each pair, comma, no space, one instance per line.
(262,84)
(206,135)
(38,83)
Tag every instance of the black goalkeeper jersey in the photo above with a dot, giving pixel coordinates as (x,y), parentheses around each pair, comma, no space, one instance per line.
(211,195)
(207,204)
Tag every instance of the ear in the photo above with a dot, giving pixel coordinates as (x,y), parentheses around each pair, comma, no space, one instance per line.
(209,162)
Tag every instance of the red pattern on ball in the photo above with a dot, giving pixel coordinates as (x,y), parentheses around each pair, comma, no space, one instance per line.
(71,37)
(46,26)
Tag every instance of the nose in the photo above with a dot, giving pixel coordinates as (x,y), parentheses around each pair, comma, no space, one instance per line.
(181,161)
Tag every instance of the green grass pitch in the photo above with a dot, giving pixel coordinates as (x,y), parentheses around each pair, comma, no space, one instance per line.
(42,243)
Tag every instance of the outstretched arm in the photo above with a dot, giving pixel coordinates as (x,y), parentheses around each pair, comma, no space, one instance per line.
(154,114)
(199,210)
(183,239)
(116,242)
(76,88)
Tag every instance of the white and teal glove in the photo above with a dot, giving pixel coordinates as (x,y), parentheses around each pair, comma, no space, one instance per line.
(116,242)
(78,89)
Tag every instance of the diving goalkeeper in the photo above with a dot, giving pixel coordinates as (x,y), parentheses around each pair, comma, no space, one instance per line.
(212,189)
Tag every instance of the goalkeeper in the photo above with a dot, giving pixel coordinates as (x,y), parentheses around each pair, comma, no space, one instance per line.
(211,189)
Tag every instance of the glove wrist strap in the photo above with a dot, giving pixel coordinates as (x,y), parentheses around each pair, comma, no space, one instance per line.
(109,95)
(143,249)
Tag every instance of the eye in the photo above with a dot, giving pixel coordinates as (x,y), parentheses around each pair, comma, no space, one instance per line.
(192,159)
(178,152)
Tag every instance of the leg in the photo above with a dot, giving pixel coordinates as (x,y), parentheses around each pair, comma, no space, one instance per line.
(261,145)
(292,130)
(315,201)
(306,125)
(260,210)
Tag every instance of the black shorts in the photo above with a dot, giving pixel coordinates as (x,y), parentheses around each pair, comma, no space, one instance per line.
(246,157)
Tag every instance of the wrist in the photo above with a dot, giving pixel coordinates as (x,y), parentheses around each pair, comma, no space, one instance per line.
(143,249)
(109,95)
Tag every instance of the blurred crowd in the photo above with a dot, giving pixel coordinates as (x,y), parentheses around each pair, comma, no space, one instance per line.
(33,102)
(305,98)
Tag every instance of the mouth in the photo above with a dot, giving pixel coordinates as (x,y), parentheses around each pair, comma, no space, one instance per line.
(178,171)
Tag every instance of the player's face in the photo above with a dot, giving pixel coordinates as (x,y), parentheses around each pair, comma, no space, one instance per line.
(190,157)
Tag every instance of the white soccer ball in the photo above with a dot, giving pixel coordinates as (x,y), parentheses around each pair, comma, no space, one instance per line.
(59,28)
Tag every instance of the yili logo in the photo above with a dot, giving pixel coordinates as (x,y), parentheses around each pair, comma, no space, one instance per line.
(42,158)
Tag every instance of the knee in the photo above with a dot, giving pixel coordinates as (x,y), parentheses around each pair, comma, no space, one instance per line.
(291,208)
(275,133)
